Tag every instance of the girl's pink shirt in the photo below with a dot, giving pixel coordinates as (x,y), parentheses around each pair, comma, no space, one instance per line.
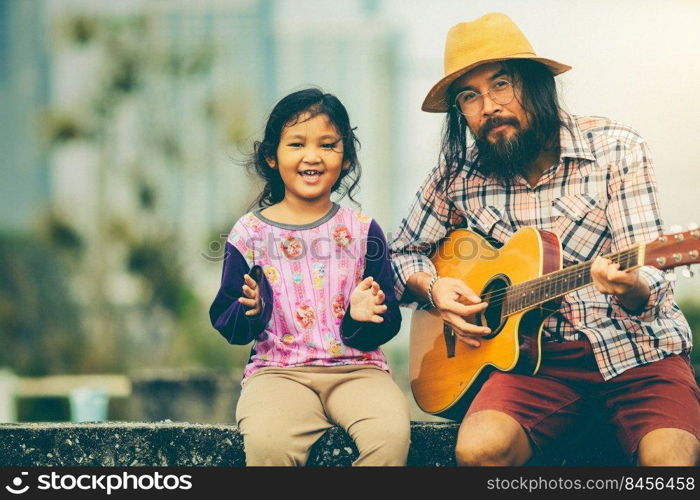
(312,270)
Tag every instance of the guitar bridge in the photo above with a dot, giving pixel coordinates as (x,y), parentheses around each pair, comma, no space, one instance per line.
(450,339)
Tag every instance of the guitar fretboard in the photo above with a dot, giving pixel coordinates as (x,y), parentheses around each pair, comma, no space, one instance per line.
(550,286)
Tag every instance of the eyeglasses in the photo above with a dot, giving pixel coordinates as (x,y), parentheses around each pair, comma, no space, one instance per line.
(469,103)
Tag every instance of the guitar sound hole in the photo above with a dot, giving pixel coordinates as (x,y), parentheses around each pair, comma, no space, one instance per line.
(493,294)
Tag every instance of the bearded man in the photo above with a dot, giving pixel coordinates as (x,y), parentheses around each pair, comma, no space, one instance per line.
(511,157)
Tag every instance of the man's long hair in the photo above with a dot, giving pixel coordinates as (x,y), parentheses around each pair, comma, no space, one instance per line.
(539,100)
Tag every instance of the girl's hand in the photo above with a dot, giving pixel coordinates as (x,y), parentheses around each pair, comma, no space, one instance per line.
(367,301)
(458,305)
(251,291)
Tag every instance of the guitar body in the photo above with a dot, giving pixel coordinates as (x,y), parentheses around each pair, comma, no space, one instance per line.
(445,373)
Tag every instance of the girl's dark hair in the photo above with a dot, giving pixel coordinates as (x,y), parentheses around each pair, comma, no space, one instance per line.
(307,103)
(538,99)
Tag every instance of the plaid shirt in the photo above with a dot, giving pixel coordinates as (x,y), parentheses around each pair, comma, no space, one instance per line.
(599,198)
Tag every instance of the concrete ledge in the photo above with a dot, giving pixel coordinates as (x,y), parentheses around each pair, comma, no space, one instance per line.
(184,444)
(119,444)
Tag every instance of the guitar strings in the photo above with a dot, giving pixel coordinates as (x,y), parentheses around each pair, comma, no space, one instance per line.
(562,276)
(541,290)
(539,285)
(558,277)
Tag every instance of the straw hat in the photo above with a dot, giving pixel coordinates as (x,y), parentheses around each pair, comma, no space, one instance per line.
(492,37)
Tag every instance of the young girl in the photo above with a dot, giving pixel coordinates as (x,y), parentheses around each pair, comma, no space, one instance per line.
(322,302)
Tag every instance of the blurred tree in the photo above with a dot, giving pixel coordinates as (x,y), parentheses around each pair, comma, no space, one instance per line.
(691,310)
(136,303)
(40,323)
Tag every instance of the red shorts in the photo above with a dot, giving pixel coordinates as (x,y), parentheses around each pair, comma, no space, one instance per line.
(569,386)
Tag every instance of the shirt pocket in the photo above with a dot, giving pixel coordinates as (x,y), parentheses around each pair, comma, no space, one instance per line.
(579,221)
(488,220)
(574,206)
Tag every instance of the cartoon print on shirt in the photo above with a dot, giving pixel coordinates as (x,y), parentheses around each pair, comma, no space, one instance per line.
(251,221)
(308,341)
(342,236)
(271,273)
(319,275)
(305,316)
(339,307)
(335,347)
(292,247)
(361,217)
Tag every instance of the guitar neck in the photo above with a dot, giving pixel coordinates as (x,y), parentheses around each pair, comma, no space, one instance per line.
(531,293)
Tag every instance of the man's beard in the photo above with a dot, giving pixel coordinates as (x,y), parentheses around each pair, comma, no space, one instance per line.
(507,158)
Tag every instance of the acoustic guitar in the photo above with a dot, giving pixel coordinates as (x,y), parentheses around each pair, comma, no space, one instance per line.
(523,282)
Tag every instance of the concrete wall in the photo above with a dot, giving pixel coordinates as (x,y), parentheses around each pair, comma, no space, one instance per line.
(184,444)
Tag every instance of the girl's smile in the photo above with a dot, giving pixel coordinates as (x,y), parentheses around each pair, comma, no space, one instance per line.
(311,176)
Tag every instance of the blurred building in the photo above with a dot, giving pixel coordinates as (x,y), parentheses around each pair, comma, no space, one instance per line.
(24,96)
